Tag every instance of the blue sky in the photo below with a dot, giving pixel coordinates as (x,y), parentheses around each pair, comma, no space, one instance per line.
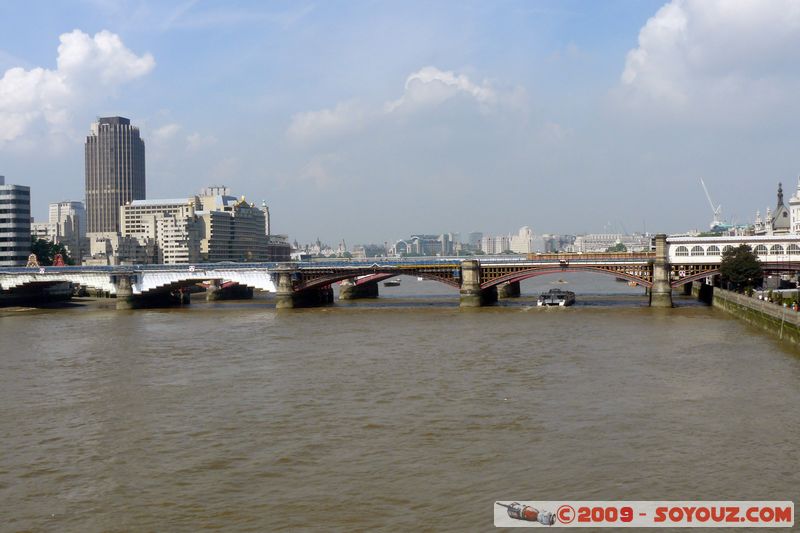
(372,120)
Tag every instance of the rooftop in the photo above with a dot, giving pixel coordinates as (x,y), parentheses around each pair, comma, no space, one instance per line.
(162,201)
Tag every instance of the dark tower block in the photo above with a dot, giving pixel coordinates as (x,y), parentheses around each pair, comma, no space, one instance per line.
(114,171)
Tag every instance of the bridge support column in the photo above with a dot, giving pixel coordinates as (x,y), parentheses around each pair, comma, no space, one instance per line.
(286,297)
(125,297)
(661,292)
(350,290)
(213,291)
(471,293)
(508,290)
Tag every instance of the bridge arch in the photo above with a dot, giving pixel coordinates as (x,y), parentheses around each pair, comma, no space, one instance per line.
(375,277)
(543,271)
(694,277)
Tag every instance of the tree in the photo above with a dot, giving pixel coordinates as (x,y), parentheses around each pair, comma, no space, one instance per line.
(46,251)
(619,247)
(740,267)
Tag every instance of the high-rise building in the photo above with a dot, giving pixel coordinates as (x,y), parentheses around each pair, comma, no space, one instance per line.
(115,173)
(15,224)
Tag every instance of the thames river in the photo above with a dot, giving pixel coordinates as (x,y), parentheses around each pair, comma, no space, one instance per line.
(403,413)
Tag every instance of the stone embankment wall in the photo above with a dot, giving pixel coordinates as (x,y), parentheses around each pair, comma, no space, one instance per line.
(778,320)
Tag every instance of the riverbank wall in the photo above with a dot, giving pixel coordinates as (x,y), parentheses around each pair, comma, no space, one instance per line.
(776,319)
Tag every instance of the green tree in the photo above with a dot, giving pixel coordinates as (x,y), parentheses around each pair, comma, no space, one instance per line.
(46,251)
(619,247)
(740,267)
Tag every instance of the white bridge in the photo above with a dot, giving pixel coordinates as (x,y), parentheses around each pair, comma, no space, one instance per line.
(143,279)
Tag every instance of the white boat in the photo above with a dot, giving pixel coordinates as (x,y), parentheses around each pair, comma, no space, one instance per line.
(392,282)
(556,297)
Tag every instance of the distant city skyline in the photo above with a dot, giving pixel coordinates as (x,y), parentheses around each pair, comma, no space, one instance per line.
(371,122)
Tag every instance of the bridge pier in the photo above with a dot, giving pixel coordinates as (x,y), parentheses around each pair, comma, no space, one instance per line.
(508,290)
(350,290)
(215,291)
(125,297)
(286,297)
(661,292)
(471,293)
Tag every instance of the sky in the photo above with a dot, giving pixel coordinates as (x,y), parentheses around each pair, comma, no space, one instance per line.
(370,121)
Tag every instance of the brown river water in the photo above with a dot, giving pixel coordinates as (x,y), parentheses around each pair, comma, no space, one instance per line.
(399,414)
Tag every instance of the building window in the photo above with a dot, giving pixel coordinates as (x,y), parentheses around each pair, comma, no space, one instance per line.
(760,250)
(776,249)
(697,250)
(682,251)
(793,249)
(712,250)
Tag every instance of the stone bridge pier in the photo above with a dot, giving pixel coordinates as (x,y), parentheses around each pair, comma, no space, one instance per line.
(471,293)
(661,292)
(215,291)
(127,299)
(124,286)
(350,290)
(288,297)
(508,290)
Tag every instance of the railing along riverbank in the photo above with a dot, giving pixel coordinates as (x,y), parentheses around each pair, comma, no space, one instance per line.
(781,321)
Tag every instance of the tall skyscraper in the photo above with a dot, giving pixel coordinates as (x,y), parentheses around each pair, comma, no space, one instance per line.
(114,172)
(15,224)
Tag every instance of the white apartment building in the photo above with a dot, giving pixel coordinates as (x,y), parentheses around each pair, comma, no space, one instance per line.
(233,230)
(600,242)
(170,226)
(212,227)
(496,245)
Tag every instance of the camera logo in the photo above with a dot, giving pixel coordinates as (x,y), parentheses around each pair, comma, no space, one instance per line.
(528,514)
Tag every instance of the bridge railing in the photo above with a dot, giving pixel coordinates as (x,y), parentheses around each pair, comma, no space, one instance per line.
(593,256)
(338,263)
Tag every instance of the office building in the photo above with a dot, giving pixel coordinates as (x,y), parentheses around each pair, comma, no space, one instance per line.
(115,172)
(233,230)
(169,229)
(15,224)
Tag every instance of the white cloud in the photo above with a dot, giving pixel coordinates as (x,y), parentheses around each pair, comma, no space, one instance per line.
(345,117)
(197,141)
(430,86)
(427,88)
(716,53)
(166,133)
(88,69)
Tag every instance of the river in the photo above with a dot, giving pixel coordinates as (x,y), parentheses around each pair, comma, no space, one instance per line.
(402,413)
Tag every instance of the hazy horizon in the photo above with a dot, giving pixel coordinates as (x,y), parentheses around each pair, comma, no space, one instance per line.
(371,121)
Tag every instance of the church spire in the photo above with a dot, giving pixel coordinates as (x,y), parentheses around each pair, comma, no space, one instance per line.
(780,195)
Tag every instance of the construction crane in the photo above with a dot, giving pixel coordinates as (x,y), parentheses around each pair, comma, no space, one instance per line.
(717,222)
